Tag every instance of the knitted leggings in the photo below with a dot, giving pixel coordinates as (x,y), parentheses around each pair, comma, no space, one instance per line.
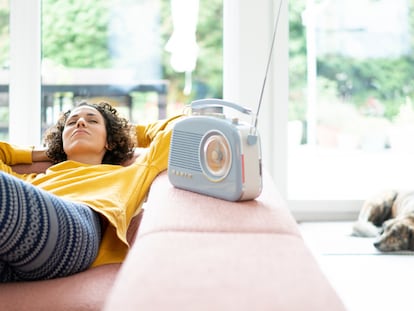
(41,235)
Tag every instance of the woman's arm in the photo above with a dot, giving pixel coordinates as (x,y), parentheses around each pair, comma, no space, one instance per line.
(40,162)
(12,154)
(39,155)
(146,133)
(22,160)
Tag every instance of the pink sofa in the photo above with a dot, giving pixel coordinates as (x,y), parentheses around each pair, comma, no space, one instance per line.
(194,252)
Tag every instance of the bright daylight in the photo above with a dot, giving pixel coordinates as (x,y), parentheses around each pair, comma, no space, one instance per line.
(206,155)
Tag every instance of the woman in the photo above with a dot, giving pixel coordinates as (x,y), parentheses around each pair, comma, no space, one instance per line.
(76,215)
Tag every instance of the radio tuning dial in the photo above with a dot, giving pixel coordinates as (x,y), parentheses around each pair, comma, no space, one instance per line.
(215,156)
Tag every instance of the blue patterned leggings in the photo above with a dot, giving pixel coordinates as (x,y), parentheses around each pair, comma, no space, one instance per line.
(41,235)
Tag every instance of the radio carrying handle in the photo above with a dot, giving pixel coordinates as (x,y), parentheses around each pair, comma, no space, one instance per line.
(213,102)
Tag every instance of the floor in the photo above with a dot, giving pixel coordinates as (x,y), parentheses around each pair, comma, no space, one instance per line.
(364,278)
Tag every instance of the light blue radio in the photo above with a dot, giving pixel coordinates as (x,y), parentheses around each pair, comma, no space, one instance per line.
(214,155)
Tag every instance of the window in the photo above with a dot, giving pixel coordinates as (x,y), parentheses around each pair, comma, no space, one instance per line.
(108,49)
(246,37)
(351,111)
(123,52)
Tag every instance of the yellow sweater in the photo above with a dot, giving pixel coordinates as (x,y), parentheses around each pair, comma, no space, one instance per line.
(114,191)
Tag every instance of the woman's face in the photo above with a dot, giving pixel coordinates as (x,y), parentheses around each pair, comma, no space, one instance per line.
(84,135)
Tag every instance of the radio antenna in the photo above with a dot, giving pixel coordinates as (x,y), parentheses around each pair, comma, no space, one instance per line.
(268,64)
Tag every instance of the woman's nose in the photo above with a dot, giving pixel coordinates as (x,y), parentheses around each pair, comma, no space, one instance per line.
(81,122)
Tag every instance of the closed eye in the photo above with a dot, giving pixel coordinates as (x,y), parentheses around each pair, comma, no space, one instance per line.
(74,121)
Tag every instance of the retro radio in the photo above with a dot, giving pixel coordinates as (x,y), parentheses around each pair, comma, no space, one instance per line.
(215,155)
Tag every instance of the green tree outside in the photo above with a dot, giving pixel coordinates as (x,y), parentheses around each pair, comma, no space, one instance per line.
(4,33)
(353,81)
(75,35)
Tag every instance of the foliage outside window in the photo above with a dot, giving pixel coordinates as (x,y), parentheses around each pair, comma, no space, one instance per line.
(76,35)
(358,82)
(4,33)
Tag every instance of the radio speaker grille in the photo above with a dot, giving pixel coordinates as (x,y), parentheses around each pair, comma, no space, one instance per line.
(184,151)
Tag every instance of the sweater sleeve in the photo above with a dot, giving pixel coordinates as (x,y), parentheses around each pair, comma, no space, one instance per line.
(156,138)
(146,133)
(11,154)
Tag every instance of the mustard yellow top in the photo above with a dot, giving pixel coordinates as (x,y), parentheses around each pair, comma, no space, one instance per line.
(114,191)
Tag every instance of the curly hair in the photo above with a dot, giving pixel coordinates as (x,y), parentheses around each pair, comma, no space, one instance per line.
(120,135)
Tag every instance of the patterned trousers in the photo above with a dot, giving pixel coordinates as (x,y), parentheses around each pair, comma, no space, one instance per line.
(41,235)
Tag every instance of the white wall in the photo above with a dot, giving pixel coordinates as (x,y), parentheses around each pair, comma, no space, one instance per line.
(248,30)
(24,91)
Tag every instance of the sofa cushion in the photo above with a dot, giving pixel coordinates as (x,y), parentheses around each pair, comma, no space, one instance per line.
(195,252)
(172,209)
(221,271)
(83,291)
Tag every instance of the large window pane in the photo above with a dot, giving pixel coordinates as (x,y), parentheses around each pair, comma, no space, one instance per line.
(351,111)
(4,69)
(116,50)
